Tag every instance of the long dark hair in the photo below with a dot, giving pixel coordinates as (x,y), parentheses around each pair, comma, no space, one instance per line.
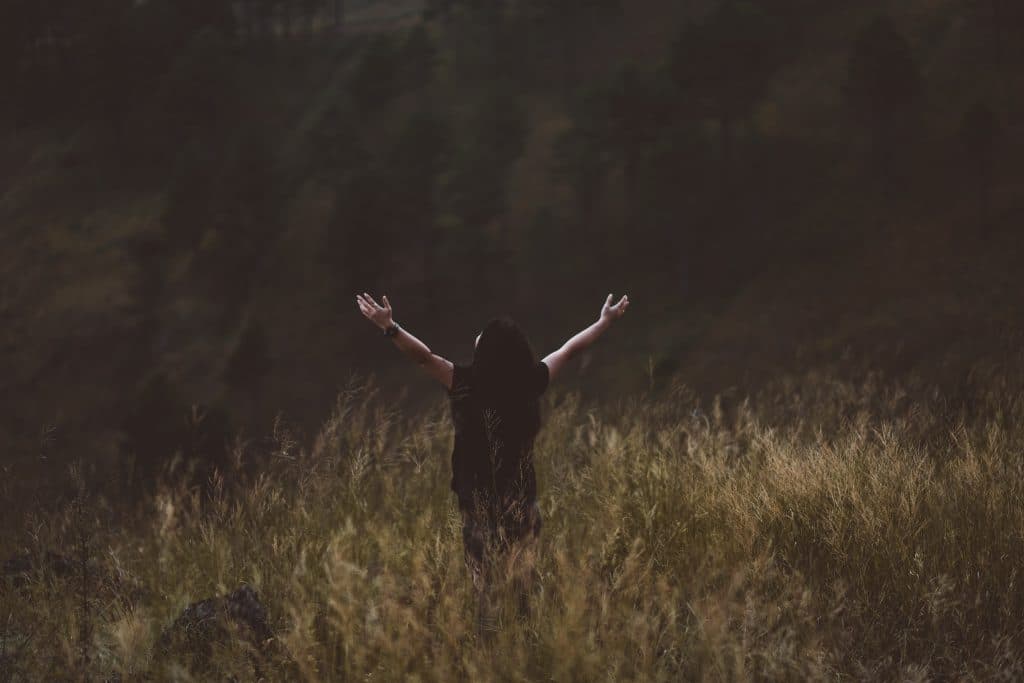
(503,375)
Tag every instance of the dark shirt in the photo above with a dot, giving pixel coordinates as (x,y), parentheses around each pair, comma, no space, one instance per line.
(493,452)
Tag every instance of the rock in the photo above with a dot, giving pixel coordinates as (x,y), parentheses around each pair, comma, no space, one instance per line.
(238,618)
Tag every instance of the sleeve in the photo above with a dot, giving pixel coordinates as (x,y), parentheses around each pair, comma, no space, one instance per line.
(458,380)
(543,377)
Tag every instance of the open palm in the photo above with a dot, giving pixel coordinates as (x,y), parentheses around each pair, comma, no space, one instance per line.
(614,311)
(374,312)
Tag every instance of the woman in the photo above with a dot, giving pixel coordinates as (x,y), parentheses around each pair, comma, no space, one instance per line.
(496,413)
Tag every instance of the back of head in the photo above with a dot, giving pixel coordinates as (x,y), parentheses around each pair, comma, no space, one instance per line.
(502,365)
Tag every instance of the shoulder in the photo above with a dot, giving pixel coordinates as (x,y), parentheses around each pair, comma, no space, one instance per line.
(461,380)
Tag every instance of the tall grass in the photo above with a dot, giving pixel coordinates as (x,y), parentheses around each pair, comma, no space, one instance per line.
(817,530)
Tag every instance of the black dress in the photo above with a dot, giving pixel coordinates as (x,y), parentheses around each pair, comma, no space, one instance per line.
(492,463)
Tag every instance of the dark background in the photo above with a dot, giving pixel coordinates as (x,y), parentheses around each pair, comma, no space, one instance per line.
(192,191)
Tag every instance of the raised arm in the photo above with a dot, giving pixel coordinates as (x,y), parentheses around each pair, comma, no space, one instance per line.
(437,367)
(584,338)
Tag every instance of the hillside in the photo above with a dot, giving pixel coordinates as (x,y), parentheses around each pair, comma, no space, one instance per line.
(198,246)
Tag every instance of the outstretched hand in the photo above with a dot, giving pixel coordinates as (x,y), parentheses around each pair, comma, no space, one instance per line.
(374,312)
(616,311)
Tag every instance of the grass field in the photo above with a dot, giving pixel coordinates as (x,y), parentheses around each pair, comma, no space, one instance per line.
(819,530)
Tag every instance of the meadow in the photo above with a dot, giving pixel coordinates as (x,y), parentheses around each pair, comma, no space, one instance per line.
(819,529)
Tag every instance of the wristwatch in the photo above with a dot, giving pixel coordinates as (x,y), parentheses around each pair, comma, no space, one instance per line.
(391,330)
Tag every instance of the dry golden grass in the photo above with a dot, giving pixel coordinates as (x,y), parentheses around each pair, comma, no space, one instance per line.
(818,531)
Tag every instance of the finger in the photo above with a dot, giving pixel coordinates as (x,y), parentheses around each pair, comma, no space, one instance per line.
(372,300)
(387,304)
(609,299)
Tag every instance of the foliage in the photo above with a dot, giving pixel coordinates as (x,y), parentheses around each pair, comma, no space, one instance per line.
(375,81)
(419,55)
(335,144)
(582,155)
(247,221)
(980,132)
(362,222)
(189,209)
(495,138)
(250,361)
(884,91)
(722,65)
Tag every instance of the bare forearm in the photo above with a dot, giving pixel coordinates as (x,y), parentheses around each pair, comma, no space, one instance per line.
(584,338)
(411,346)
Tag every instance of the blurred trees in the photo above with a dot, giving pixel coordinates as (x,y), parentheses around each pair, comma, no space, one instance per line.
(617,124)
(335,146)
(66,60)
(419,57)
(194,102)
(647,126)
(360,237)
(493,139)
(432,188)
(489,42)
(1006,19)
(722,65)
(411,155)
(228,212)
(389,65)
(980,131)
(582,155)
(339,14)
(688,170)
(521,41)
(250,217)
(190,206)
(557,34)
(884,93)
(375,81)
(419,158)
(250,361)
(640,108)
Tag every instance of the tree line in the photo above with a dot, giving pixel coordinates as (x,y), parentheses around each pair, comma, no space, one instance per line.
(417,132)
